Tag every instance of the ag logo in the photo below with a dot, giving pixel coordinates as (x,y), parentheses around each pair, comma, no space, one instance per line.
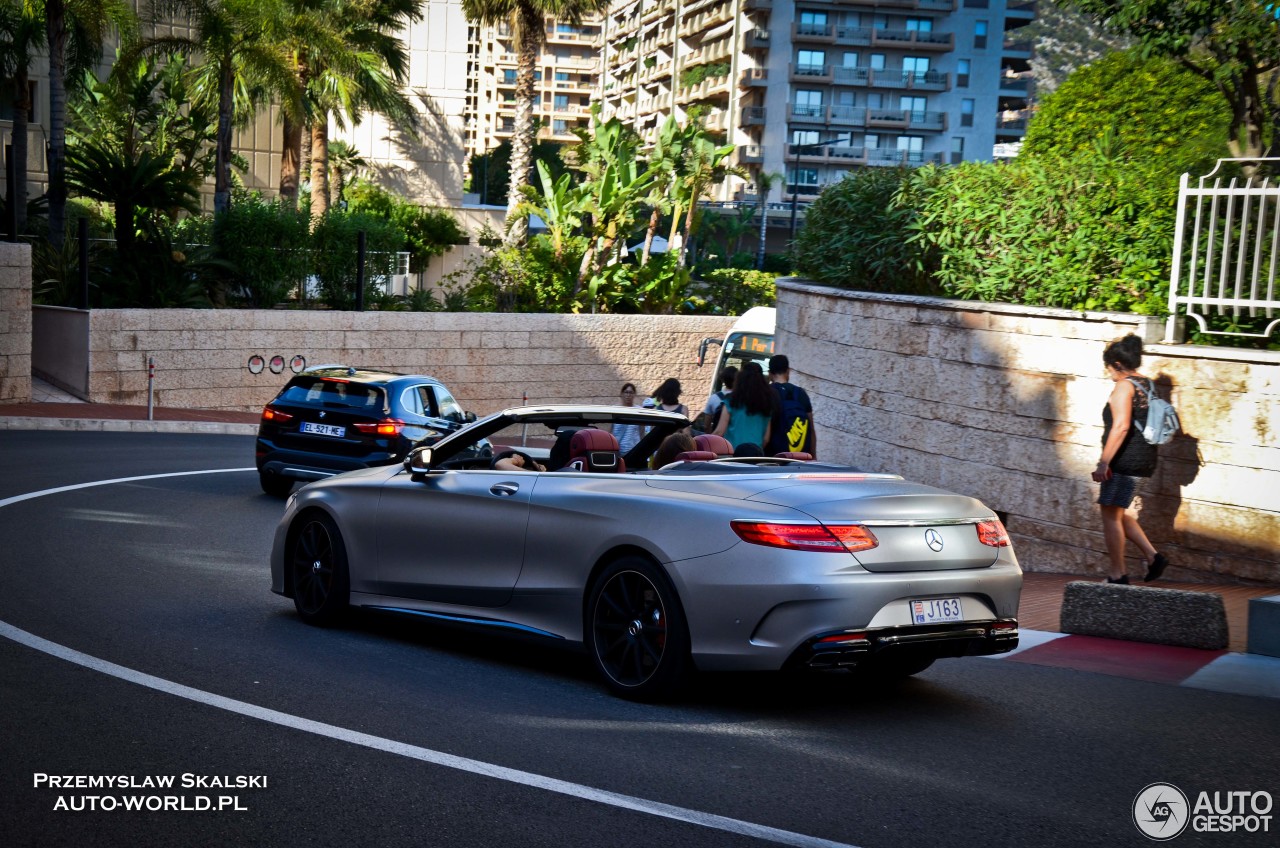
(1161,812)
(933,539)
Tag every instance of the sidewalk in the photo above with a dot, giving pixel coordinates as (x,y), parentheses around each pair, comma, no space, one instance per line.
(1038,613)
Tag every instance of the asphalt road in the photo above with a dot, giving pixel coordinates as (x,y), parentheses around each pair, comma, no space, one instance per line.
(353,729)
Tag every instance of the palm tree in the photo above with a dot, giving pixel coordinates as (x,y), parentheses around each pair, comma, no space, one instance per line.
(364,73)
(74,33)
(239,40)
(344,161)
(527,19)
(765,181)
(705,164)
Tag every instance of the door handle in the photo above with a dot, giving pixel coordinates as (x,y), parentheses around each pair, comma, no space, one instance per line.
(505,490)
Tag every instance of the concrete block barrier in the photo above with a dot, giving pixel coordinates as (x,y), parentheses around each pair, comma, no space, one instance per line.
(1264,626)
(1145,614)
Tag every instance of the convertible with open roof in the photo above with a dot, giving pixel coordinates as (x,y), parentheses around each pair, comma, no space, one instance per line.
(709,563)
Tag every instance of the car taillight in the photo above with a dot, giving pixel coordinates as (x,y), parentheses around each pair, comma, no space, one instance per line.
(992,533)
(269,414)
(385,427)
(834,538)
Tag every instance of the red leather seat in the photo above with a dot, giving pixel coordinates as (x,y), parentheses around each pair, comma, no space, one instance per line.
(717,445)
(695,456)
(596,451)
(795,455)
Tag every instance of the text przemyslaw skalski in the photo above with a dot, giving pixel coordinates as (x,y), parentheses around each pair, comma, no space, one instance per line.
(149,781)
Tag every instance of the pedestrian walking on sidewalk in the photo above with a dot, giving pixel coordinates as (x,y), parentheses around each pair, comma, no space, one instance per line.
(1127,460)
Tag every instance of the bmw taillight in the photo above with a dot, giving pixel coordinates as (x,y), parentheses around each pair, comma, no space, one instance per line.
(269,414)
(385,427)
(992,532)
(831,538)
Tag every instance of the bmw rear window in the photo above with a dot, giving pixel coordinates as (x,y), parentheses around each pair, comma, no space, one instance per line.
(332,394)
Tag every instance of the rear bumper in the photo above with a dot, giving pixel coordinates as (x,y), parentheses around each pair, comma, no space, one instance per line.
(301,465)
(848,649)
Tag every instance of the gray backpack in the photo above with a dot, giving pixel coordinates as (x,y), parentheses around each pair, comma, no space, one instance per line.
(1162,418)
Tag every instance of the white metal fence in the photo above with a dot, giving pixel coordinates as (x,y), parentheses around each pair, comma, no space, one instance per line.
(1225,253)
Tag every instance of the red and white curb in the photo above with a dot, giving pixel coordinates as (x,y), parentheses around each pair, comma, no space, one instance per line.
(1218,671)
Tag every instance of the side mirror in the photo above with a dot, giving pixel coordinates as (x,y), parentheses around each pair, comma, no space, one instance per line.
(418,461)
(702,349)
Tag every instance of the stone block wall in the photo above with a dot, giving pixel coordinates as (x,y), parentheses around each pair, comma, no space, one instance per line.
(490,361)
(15,323)
(1004,403)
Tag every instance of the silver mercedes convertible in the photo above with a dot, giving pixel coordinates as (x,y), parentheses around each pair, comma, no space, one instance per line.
(707,563)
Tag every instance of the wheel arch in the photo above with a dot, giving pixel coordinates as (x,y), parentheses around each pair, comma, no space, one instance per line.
(291,536)
(613,555)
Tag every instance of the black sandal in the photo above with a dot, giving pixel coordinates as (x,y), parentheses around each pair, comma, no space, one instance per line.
(1158,564)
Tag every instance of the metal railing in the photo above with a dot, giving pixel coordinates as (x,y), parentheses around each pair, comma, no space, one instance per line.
(1226,248)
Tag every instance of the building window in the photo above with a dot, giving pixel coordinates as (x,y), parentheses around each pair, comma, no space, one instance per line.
(914,106)
(871,141)
(957,150)
(803,177)
(561,76)
(813,23)
(977,4)
(509,76)
(962,73)
(560,127)
(808,104)
(980,35)
(877,61)
(799,137)
(966,112)
(561,102)
(811,62)
(875,100)
(915,68)
(919,25)
(851,60)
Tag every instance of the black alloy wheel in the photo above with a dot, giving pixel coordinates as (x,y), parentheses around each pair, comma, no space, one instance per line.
(636,631)
(318,565)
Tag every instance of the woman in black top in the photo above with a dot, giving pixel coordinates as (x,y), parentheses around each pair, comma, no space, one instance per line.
(1127,460)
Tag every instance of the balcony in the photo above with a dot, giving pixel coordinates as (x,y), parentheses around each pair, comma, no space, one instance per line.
(819,33)
(554,37)
(756,39)
(940,42)
(809,113)
(848,116)
(753,116)
(854,36)
(919,5)
(1020,87)
(758,5)
(888,158)
(1011,127)
(811,73)
(752,77)
(1016,49)
(906,119)
(750,154)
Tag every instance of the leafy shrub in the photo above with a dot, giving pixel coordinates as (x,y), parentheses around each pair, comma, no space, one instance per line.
(335,242)
(265,247)
(427,232)
(732,291)
(857,234)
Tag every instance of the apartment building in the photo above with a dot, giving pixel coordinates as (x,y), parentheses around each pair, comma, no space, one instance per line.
(566,79)
(812,89)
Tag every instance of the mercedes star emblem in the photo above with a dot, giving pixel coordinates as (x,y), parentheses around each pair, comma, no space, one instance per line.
(933,539)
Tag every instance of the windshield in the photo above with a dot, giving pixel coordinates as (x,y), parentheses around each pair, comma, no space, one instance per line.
(331,393)
(741,348)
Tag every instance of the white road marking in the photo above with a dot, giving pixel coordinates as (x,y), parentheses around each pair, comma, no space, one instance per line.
(377,743)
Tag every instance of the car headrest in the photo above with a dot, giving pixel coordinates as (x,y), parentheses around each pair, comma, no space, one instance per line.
(597,451)
(718,445)
(801,455)
(695,456)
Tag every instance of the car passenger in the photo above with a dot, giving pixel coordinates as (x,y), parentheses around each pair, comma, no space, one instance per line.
(671,447)
(513,460)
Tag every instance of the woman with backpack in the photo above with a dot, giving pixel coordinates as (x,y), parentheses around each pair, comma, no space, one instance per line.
(747,414)
(1127,459)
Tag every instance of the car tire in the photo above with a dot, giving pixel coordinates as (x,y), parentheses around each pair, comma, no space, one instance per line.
(317,562)
(895,668)
(275,485)
(636,631)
